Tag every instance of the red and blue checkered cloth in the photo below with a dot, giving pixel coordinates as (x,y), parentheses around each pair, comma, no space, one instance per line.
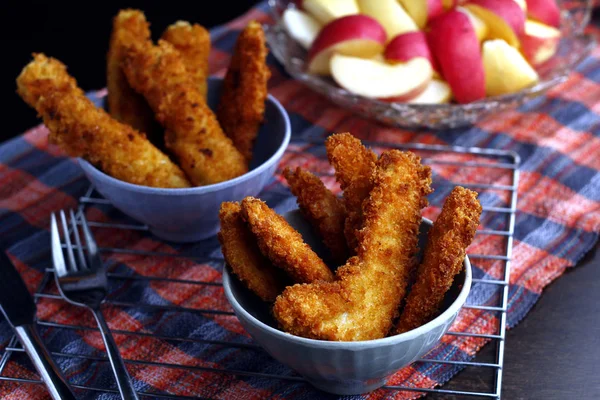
(557,137)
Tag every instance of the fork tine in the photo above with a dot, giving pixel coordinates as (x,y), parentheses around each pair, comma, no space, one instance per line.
(89,238)
(70,254)
(80,254)
(57,253)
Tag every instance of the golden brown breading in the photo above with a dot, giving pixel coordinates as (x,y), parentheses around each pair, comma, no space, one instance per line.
(124,104)
(242,254)
(242,105)
(193,42)
(282,244)
(83,130)
(363,300)
(193,133)
(445,251)
(354,165)
(323,209)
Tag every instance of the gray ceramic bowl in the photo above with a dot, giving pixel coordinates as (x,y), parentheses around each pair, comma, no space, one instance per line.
(343,368)
(188,215)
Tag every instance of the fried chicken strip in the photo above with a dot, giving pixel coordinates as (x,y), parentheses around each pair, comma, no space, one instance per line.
(363,300)
(323,210)
(282,244)
(448,239)
(244,257)
(125,104)
(193,42)
(83,130)
(242,104)
(354,165)
(193,133)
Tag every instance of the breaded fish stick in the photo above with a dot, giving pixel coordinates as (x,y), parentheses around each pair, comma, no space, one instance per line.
(282,244)
(193,42)
(363,300)
(323,209)
(242,105)
(451,234)
(244,257)
(124,104)
(83,130)
(194,136)
(354,165)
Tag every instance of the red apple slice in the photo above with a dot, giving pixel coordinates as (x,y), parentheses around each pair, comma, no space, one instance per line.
(375,79)
(506,71)
(454,45)
(539,42)
(544,11)
(480,27)
(301,26)
(326,11)
(390,14)
(353,35)
(504,19)
(422,11)
(407,46)
(437,92)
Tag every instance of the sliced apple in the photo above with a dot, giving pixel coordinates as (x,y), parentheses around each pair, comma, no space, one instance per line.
(544,11)
(390,14)
(506,71)
(436,92)
(455,47)
(522,4)
(326,11)
(504,19)
(353,35)
(539,42)
(422,11)
(407,46)
(480,27)
(301,26)
(375,79)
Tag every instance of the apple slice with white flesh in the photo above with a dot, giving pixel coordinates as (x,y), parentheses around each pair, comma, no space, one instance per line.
(454,45)
(353,35)
(539,42)
(301,26)
(480,27)
(544,11)
(407,46)
(326,11)
(390,14)
(504,19)
(375,79)
(422,11)
(506,70)
(436,92)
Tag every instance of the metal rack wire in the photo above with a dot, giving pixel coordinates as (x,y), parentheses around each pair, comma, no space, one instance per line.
(493,165)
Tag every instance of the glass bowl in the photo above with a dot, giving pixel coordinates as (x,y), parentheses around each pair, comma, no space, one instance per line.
(573,48)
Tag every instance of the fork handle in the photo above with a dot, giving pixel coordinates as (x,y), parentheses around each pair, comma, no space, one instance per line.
(116,361)
(50,373)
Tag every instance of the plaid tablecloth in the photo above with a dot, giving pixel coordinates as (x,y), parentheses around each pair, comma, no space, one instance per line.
(557,137)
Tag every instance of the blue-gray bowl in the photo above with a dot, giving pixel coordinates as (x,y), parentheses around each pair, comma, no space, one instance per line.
(191,214)
(343,368)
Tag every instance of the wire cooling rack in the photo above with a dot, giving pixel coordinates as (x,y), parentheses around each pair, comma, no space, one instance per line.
(494,173)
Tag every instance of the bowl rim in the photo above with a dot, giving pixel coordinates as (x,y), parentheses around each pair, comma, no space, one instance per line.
(390,340)
(98,174)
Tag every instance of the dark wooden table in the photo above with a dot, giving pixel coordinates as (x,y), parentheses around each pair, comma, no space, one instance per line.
(554,353)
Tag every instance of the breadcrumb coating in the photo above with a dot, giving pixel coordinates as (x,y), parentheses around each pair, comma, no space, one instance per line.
(242,105)
(242,254)
(193,43)
(323,210)
(83,130)
(363,300)
(282,244)
(193,133)
(445,251)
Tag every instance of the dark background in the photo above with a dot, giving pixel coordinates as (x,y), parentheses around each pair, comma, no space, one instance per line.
(77,33)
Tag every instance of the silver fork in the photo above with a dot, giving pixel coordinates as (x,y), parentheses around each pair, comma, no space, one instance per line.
(83,282)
